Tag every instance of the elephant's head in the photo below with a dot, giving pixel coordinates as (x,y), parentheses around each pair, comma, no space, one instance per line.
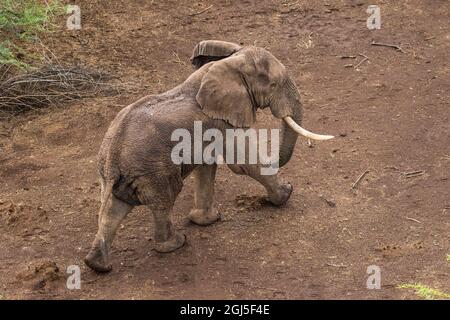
(244,80)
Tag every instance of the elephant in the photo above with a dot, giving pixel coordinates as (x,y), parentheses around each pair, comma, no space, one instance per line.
(229,84)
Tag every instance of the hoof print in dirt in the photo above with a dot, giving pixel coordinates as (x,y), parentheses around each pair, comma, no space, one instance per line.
(40,275)
(244,202)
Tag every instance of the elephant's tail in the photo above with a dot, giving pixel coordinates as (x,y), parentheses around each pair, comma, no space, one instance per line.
(106,195)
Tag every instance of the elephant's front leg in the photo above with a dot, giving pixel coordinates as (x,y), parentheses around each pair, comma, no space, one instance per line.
(204,212)
(278,193)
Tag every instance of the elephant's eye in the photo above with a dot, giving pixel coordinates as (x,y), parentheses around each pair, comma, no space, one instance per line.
(273,85)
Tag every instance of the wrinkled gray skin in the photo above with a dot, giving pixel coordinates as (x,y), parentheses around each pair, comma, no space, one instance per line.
(135,163)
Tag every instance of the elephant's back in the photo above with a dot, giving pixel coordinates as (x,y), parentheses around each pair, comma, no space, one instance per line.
(136,150)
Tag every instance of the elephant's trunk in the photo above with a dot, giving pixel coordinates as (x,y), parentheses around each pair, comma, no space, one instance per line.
(288,107)
(289,138)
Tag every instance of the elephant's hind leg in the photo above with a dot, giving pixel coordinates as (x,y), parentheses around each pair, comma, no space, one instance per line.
(166,238)
(98,257)
(204,212)
(158,193)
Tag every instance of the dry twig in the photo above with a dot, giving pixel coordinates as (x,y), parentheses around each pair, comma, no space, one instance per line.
(355,184)
(413,174)
(412,219)
(341,265)
(178,60)
(365,58)
(50,85)
(387,45)
(200,12)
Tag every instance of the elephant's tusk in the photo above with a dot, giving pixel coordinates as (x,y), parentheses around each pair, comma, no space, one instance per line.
(305,132)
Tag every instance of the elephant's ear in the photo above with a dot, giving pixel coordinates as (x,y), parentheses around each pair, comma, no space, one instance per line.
(212,50)
(224,93)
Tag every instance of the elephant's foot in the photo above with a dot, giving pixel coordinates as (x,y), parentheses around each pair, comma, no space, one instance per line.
(177,241)
(283,195)
(97,258)
(204,217)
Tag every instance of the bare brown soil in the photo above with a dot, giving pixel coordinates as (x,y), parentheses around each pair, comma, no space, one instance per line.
(390,116)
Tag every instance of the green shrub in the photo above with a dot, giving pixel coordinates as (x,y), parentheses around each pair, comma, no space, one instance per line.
(426,292)
(21,21)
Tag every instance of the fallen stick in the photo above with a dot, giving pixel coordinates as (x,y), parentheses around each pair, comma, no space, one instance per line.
(202,11)
(354,185)
(363,55)
(337,265)
(362,61)
(413,173)
(412,219)
(387,45)
(178,60)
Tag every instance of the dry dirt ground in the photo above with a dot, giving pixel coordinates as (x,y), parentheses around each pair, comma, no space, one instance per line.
(390,116)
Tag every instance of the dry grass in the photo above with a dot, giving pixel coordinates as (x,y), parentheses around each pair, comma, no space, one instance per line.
(52,84)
